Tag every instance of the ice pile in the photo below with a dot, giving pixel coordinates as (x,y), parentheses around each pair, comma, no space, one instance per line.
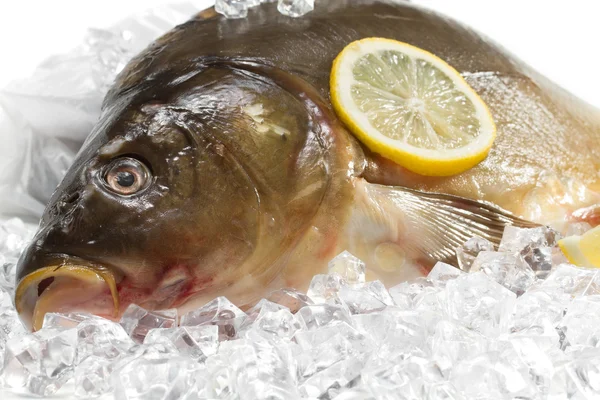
(239,8)
(518,323)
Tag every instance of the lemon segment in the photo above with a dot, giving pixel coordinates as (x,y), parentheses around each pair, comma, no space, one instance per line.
(411,107)
(583,251)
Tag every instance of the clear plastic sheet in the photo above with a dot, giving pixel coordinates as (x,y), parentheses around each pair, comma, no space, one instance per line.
(45,119)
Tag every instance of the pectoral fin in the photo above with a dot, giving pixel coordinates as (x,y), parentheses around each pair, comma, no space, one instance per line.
(423,227)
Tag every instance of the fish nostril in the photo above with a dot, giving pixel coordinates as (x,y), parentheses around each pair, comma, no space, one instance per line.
(43,285)
(72,199)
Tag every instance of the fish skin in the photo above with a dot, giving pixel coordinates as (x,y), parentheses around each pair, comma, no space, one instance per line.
(256,184)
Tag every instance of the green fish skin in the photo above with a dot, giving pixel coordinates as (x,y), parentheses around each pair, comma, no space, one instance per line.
(244,181)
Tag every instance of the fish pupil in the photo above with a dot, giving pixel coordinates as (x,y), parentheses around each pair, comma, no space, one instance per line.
(125,179)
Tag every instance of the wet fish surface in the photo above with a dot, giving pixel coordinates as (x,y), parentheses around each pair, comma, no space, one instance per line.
(218,167)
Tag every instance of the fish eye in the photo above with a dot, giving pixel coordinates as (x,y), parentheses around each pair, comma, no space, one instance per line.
(126,176)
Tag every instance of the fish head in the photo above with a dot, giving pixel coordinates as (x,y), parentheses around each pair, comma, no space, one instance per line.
(196,189)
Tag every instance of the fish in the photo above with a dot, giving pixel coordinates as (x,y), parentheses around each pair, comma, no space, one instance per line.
(219,168)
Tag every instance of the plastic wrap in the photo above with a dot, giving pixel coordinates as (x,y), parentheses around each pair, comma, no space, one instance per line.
(45,119)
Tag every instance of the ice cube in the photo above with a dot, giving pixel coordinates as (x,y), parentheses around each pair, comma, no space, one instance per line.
(578,377)
(360,300)
(539,259)
(393,328)
(570,279)
(339,375)
(405,376)
(452,344)
(467,253)
(69,320)
(489,374)
(354,394)
(350,268)
(102,338)
(444,391)
(314,338)
(220,312)
(92,377)
(137,321)
(581,324)
(407,294)
(157,376)
(525,354)
(319,315)
(290,298)
(295,8)
(516,239)
(507,269)
(442,273)
(196,342)
(479,303)
(279,325)
(40,363)
(232,8)
(584,371)
(325,287)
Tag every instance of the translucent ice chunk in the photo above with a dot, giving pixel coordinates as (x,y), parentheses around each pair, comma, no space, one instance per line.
(393,328)
(530,358)
(360,299)
(581,324)
(466,253)
(337,376)
(220,312)
(571,280)
(263,306)
(319,315)
(488,373)
(40,363)
(577,377)
(69,320)
(103,338)
(278,325)
(290,298)
(408,294)
(325,287)
(406,376)
(196,342)
(452,344)
(157,376)
(516,239)
(137,321)
(348,267)
(316,337)
(92,377)
(507,269)
(442,273)
(295,8)
(539,259)
(479,303)
(232,8)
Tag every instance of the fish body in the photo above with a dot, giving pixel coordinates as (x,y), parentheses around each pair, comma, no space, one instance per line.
(219,168)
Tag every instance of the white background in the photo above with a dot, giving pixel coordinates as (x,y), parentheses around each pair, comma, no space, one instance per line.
(558,38)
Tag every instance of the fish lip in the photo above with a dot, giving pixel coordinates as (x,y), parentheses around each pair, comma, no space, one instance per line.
(27,291)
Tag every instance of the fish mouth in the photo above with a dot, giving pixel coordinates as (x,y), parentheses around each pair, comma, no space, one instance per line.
(62,287)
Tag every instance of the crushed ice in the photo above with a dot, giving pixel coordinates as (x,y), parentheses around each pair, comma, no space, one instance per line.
(239,8)
(518,323)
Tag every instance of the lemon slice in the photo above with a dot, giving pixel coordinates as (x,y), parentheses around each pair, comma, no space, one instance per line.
(411,107)
(583,251)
